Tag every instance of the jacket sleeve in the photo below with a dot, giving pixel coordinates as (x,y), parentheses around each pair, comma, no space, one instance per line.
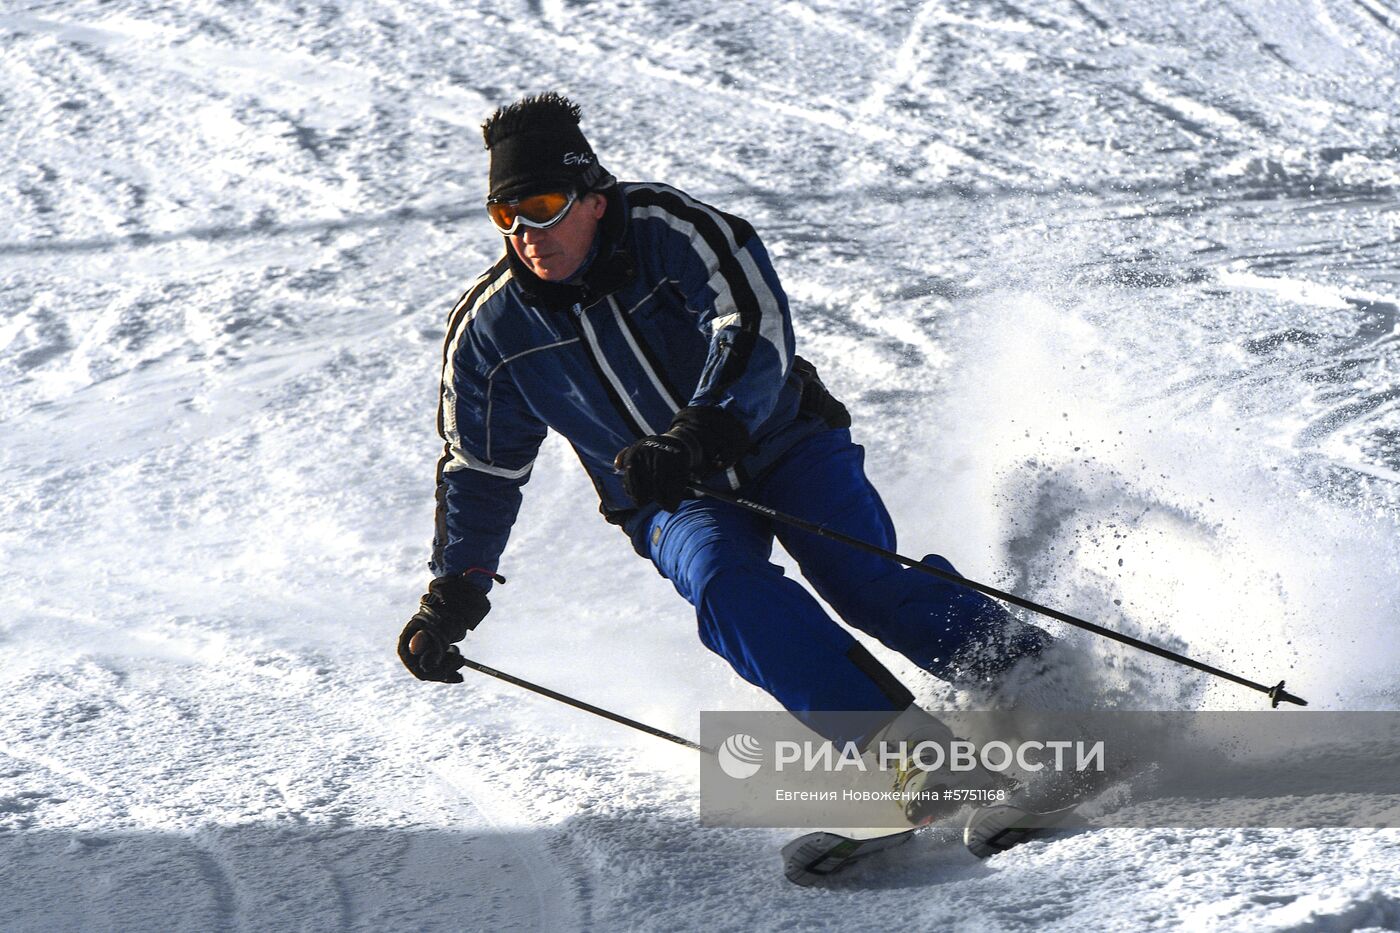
(490,443)
(729,284)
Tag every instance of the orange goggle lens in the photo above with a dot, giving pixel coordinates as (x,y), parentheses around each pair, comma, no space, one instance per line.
(538,210)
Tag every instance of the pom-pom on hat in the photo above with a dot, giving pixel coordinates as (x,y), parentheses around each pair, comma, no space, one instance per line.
(536,145)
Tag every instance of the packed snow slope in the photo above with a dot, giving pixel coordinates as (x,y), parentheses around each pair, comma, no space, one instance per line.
(1111,289)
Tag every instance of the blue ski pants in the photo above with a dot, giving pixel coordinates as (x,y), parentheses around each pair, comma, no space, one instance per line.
(778,637)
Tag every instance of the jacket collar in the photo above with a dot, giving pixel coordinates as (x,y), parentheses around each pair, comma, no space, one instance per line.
(611,268)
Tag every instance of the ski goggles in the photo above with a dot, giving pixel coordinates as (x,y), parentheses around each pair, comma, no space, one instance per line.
(540,211)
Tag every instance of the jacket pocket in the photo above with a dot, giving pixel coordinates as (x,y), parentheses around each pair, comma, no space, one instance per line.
(817,399)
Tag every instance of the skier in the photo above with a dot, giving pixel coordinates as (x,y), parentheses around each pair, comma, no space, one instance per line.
(651,331)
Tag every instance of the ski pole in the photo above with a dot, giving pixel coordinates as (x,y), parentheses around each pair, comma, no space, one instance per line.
(579,704)
(1275,693)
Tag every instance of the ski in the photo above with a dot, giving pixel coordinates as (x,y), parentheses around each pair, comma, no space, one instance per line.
(994,829)
(812,858)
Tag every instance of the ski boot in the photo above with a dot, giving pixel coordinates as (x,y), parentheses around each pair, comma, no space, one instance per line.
(927,786)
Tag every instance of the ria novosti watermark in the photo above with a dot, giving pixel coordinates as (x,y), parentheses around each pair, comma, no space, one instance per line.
(741,756)
(1266,768)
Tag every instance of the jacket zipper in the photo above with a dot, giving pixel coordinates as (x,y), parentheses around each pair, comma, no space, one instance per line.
(606,377)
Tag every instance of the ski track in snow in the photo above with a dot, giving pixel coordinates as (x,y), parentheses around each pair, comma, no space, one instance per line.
(1110,288)
(160,777)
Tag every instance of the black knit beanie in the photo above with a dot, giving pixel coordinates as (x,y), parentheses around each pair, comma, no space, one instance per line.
(536,146)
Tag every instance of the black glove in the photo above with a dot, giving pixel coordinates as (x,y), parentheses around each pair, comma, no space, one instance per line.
(451,608)
(656,469)
(700,441)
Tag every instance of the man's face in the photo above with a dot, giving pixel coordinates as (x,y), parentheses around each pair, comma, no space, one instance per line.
(556,253)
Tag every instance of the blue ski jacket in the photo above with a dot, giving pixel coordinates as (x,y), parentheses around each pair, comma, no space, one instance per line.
(679,307)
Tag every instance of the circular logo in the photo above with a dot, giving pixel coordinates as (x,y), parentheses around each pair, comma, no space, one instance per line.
(740,756)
